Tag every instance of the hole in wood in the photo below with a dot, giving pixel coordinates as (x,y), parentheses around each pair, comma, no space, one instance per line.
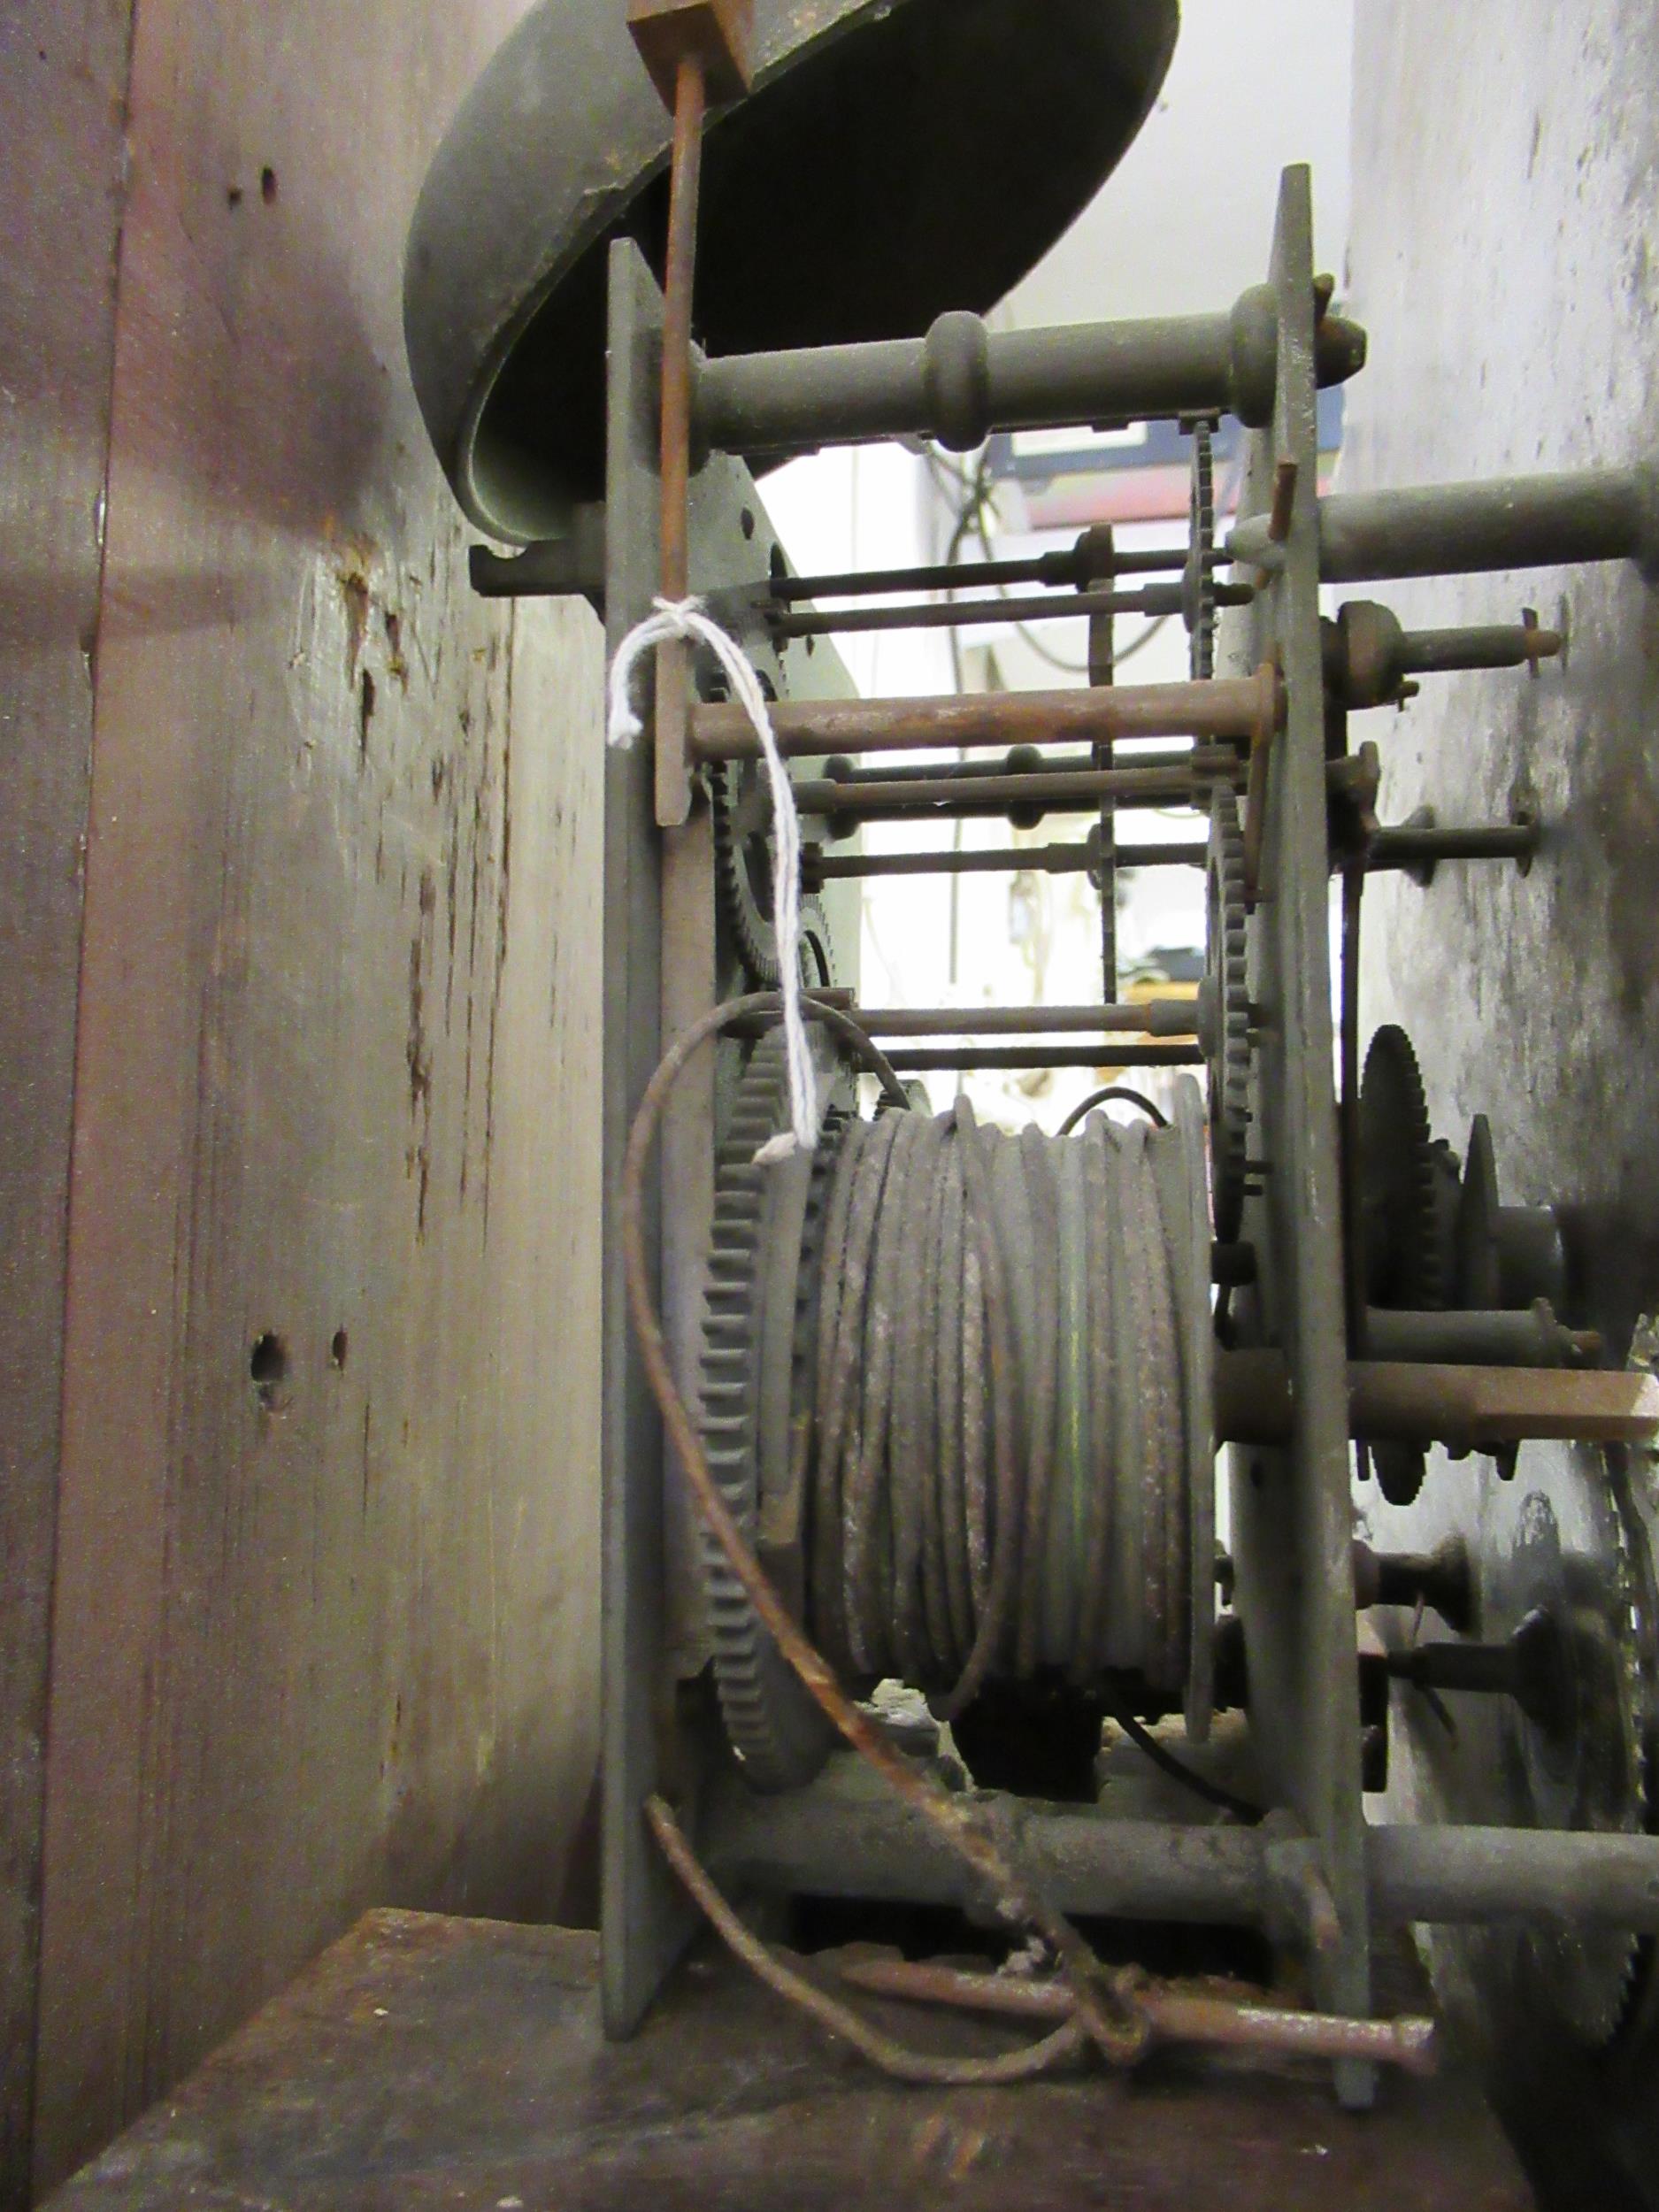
(267,1368)
(338,1345)
(267,184)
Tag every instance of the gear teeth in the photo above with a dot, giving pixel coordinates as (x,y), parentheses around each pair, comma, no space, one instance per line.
(764,1708)
(749,928)
(1424,1287)
(1227,964)
(1202,522)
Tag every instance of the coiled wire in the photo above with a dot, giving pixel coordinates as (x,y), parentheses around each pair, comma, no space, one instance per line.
(1000,1462)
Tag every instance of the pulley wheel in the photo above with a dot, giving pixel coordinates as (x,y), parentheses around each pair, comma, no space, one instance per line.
(894,159)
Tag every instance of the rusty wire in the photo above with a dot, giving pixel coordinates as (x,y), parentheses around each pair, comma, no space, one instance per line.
(1180,2013)
(1107,2006)
(897,2059)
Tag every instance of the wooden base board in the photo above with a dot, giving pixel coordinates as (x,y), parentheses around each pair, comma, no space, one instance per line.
(424,2061)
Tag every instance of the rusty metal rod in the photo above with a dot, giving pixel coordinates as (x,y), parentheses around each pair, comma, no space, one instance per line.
(1175,2015)
(671,773)
(1105,1052)
(1228,707)
(1153,1017)
(1413,1404)
(949,614)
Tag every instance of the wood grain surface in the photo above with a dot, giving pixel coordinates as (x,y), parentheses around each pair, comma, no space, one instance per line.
(63,82)
(326,1598)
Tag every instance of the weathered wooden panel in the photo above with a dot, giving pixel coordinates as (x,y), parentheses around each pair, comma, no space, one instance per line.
(430,2062)
(325,1596)
(63,82)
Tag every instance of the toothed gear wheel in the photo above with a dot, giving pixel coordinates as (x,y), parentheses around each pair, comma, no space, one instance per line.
(1227,985)
(1593,1974)
(758,1231)
(1633,1476)
(1400,1212)
(1591,1771)
(1198,581)
(740,804)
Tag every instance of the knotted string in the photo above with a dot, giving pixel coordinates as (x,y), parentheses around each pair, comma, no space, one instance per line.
(685,618)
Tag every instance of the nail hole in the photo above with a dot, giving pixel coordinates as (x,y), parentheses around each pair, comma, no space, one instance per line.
(267,184)
(338,1345)
(232,196)
(267,1368)
(746,522)
(778,566)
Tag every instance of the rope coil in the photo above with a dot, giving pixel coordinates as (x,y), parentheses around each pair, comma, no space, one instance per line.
(1001,1457)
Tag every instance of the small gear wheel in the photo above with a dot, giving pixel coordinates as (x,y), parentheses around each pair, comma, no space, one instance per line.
(1227,990)
(1198,578)
(740,804)
(760,1217)
(1401,1214)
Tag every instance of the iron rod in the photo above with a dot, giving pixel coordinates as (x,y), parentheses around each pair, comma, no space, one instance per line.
(1234,707)
(962,382)
(1057,764)
(672,771)
(1050,859)
(1426,1404)
(846,1841)
(948,614)
(1157,1018)
(1521,1336)
(1041,793)
(1066,566)
(1511,522)
(1408,848)
(1106,1052)
(1489,645)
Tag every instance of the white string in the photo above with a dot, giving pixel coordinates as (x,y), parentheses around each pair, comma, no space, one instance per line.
(685,618)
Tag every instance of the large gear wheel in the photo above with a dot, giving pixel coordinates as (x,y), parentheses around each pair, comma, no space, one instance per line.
(1228,988)
(762,1224)
(1590,1770)
(1400,1213)
(1198,579)
(741,806)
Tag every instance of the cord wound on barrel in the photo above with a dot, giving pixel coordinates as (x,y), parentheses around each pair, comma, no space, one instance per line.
(1000,1451)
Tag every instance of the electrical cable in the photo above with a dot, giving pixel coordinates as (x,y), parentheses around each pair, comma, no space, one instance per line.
(1113,1091)
(1178,1770)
